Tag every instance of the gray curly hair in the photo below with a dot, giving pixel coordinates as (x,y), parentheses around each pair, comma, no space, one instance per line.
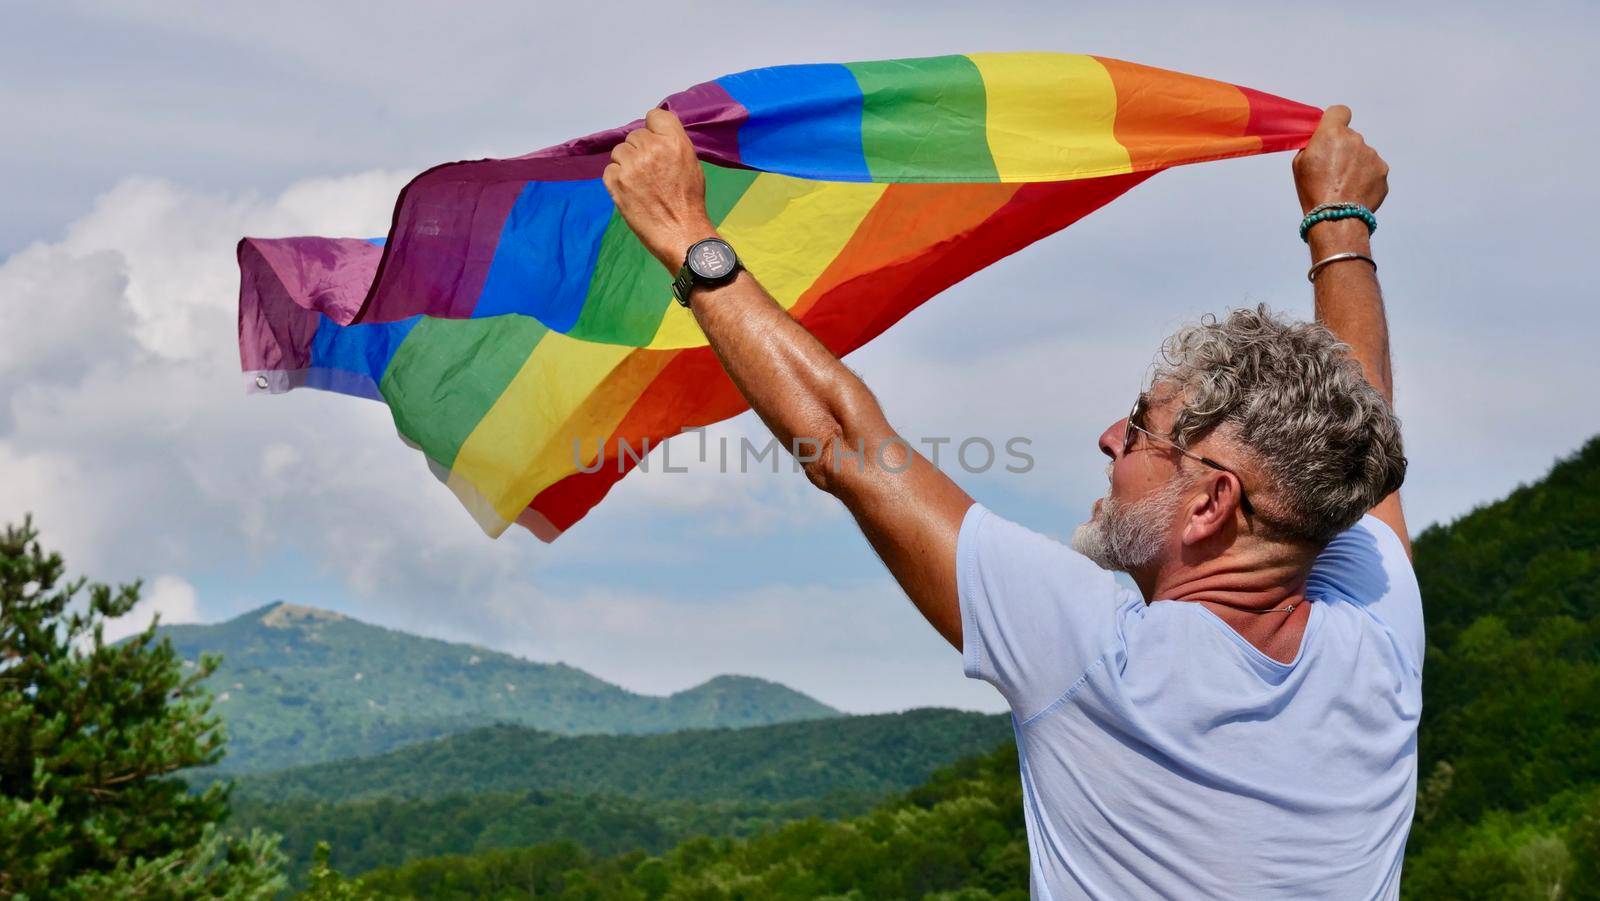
(1293,400)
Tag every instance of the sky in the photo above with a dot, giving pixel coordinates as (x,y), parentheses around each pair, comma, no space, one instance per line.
(143,139)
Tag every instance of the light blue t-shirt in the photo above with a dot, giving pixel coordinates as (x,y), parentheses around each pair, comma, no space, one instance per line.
(1165,757)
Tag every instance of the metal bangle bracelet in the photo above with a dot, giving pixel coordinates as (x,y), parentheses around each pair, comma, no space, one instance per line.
(1311,274)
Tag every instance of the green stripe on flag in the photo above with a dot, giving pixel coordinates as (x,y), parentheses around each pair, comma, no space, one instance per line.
(923,120)
(449,372)
(724,187)
(630,289)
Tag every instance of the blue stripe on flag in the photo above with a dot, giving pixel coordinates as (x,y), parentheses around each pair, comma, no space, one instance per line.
(547,252)
(804,121)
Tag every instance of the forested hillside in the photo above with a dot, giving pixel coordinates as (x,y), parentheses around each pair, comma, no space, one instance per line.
(858,755)
(299,685)
(959,837)
(1510,738)
(387,832)
(506,786)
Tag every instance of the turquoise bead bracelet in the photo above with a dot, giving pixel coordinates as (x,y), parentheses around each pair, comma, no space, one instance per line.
(1328,212)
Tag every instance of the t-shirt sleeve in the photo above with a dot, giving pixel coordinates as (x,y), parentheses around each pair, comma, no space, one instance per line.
(1366,565)
(1035,614)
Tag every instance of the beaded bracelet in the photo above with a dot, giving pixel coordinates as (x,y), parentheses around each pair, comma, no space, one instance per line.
(1328,212)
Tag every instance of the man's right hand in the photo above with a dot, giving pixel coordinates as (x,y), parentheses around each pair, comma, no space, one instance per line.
(1338,166)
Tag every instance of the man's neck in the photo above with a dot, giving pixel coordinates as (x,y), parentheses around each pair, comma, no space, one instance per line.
(1241,586)
(1233,580)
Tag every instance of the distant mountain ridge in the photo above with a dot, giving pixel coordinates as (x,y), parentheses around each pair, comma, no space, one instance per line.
(854,755)
(300,685)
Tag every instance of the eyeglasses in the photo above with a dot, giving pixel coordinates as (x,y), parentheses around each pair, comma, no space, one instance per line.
(1137,414)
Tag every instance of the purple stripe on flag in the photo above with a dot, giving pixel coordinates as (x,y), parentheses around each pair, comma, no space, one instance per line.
(286,284)
(448,221)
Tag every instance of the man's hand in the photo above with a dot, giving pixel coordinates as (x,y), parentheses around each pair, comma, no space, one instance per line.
(1338,166)
(658,187)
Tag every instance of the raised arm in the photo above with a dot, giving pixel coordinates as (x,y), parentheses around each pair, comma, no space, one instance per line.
(1338,166)
(909,510)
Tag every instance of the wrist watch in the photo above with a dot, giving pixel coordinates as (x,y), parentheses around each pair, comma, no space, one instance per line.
(710,261)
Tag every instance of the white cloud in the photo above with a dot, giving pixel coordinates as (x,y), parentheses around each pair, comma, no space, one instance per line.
(729,489)
(169,597)
(176,246)
(56,303)
(277,459)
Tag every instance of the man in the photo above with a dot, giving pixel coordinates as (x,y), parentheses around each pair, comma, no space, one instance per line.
(1243,726)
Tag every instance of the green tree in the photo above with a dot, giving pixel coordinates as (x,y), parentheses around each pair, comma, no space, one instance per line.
(328,884)
(90,735)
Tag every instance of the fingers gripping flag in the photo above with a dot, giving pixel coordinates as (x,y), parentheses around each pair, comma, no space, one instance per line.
(520,333)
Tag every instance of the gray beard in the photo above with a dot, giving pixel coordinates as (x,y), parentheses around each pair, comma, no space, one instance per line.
(1123,537)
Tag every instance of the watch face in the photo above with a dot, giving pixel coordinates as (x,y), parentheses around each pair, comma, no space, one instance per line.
(711,259)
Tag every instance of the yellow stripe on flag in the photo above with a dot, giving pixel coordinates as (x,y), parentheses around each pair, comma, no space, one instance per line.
(505,457)
(1050,116)
(786,231)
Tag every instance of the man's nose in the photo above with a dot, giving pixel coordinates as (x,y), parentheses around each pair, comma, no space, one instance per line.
(1111,438)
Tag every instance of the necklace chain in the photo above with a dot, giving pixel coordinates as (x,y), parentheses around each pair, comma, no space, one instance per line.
(1286,609)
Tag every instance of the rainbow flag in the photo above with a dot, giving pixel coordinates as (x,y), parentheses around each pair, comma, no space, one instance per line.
(521,335)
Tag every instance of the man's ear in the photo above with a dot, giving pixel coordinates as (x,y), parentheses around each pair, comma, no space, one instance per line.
(1210,508)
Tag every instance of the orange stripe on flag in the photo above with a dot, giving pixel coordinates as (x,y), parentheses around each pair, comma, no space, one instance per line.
(1164,120)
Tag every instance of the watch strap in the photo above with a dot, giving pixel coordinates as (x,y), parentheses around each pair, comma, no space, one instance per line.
(683,284)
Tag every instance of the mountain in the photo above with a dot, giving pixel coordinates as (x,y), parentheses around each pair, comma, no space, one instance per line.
(853,755)
(300,685)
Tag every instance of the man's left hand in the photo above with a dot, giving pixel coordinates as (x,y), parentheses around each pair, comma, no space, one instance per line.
(1338,166)
(658,187)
